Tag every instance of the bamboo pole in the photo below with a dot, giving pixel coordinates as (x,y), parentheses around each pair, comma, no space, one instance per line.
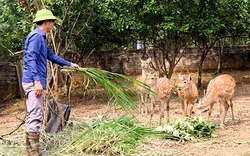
(55,78)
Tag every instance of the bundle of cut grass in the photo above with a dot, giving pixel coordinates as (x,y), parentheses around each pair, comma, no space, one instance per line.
(115,136)
(118,88)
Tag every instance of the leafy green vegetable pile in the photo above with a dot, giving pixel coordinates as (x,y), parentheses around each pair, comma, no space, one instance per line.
(190,128)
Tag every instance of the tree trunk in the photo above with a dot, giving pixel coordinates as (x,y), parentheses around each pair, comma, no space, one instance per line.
(204,52)
(221,47)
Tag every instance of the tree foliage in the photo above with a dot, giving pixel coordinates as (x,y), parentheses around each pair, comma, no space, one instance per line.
(171,26)
(211,21)
(13,29)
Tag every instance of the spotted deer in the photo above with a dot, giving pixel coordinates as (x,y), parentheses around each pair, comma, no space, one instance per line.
(144,93)
(220,89)
(162,91)
(187,92)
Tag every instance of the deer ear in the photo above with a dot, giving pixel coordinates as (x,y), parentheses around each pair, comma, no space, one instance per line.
(149,59)
(181,77)
(157,74)
(200,103)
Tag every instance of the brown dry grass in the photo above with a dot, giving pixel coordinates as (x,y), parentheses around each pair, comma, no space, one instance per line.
(233,140)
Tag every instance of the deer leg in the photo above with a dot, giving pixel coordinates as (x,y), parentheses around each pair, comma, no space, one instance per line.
(161,111)
(221,111)
(141,103)
(226,106)
(183,108)
(151,114)
(168,110)
(231,105)
(146,103)
(210,111)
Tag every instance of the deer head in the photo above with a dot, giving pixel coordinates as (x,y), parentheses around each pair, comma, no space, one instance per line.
(187,92)
(151,78)
(184,83)
(145,64)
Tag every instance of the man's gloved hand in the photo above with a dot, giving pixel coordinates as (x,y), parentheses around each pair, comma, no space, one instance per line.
(74,65)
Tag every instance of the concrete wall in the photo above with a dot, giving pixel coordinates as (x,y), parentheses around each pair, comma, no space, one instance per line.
(129,63)
(8,82)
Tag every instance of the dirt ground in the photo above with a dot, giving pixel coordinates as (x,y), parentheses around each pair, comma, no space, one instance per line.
(233,140)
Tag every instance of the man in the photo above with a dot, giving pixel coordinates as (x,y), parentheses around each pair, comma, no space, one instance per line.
(36,53)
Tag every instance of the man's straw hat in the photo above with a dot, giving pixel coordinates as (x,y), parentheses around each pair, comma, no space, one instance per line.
(43,15)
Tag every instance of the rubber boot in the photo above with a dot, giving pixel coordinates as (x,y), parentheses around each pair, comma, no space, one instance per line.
(32,143)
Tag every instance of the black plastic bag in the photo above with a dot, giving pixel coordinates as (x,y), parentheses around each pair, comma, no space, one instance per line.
(54,123)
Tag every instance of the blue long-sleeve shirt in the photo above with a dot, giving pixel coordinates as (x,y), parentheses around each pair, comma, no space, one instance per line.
(36,53)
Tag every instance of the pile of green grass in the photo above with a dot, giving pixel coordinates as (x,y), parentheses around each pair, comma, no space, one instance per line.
(117,136)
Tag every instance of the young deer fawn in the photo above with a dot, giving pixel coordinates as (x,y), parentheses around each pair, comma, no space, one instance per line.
(144,93)
(220,89)
(162,89)
(187,92)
